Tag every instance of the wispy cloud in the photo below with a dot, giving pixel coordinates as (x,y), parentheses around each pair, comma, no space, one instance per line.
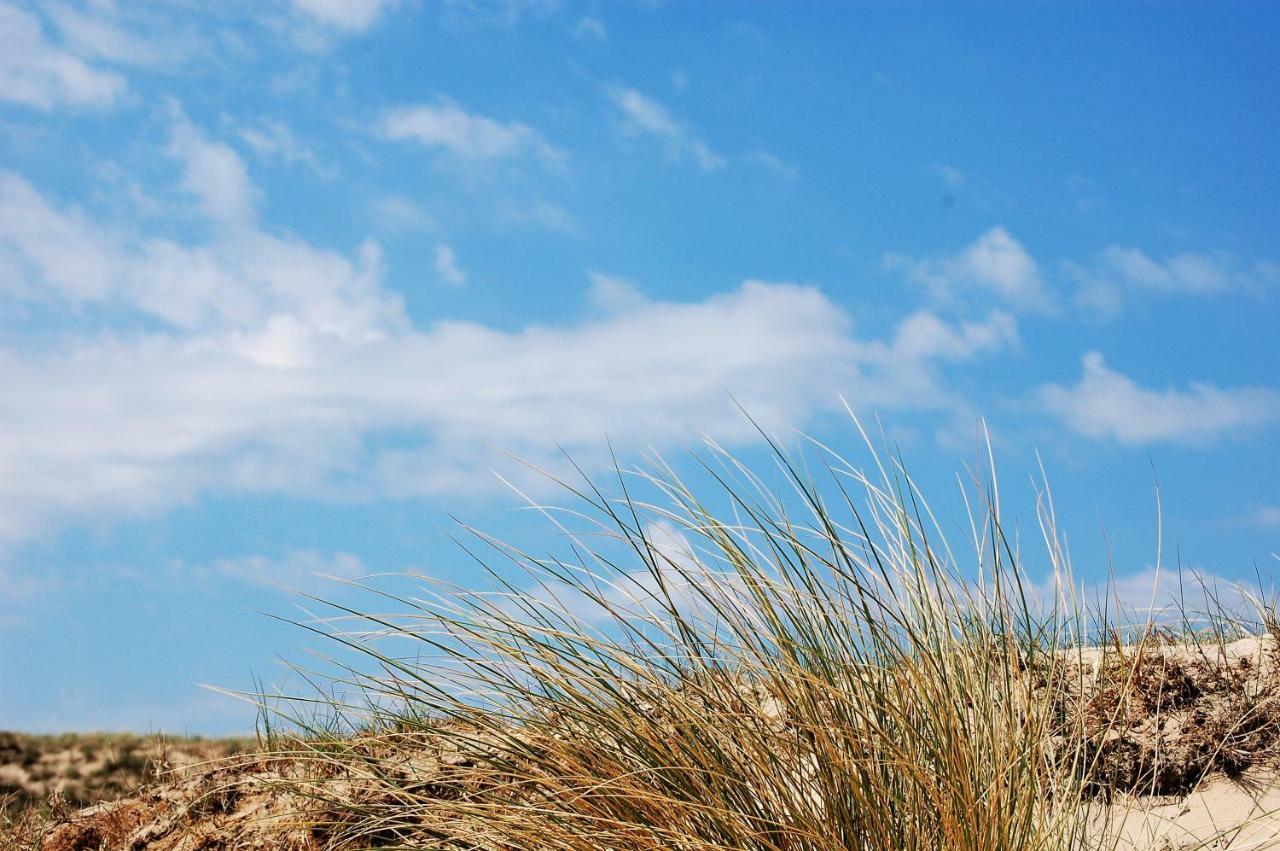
(611,294)
(1268,517)
(1086,193)
(399,214)
(351,16)
(1162,595)
(1106,405)
(773,164)
(644,116)
(272,139)
(24,589)
(961,184)
(51,253)
(445,126)
(590,28)
(95,32)
(447,266)
(1120,272)
(996,265)
(298,569)
(547,215)
(35,72)
(949,175)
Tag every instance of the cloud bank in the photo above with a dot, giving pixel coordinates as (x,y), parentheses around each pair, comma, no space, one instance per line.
(259,362)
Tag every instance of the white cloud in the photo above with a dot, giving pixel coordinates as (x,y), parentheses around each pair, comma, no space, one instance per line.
(117,427)
(447,266)
(46,250)
(907,368)
(1119,271)
(264,294)
(270,365)
(36,73)
(445,126)
(645,116)
(93,32)
(352,16)
(111,427)
(996,264)
(214,173)
(1107,405)
(923,335)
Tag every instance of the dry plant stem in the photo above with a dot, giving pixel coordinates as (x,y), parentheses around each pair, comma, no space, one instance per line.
(809,667)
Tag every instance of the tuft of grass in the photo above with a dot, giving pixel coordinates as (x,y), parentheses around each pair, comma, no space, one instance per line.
(787,659)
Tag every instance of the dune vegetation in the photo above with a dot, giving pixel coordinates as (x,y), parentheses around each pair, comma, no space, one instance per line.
(794,657)
(46,777)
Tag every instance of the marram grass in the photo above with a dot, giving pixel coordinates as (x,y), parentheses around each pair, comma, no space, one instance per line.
(807,665)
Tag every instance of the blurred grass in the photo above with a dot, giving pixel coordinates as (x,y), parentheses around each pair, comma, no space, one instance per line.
(76,770)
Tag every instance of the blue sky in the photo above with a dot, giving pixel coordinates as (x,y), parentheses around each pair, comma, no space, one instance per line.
(281,285)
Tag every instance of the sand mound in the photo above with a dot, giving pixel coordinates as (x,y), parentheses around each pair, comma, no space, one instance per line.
(1162,717)
(1184,747)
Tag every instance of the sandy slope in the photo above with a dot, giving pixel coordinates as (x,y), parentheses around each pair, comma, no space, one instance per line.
(1222,814)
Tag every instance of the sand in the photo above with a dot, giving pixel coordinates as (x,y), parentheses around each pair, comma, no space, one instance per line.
(255,804)
(1222,814)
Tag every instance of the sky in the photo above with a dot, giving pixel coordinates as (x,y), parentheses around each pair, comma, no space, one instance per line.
(286,288)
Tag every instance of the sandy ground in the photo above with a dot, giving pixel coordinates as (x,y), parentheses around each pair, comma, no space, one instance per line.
(1222,814)
(249,810)
(257,803)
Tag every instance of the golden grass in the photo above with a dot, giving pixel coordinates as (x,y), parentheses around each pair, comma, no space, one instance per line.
(814,671)
(806,666)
